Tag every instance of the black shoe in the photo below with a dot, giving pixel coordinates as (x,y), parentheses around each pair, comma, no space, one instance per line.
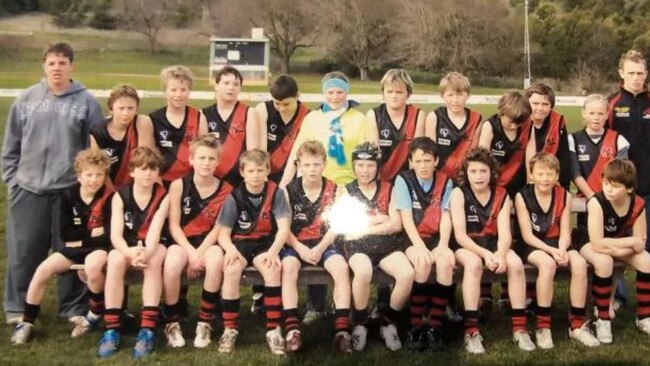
(434,339)
(415,340)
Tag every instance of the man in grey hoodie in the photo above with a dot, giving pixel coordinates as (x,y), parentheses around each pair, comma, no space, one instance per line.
(48,125)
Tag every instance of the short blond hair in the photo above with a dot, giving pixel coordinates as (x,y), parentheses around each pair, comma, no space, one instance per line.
(633,56)
(595,98)
(454,81)
(92,157)
(313,148)
(546,159)
(178,72)
(208,140)
(393,76)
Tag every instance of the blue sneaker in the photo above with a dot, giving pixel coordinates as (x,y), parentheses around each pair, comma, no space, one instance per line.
(144,344)
(108,343)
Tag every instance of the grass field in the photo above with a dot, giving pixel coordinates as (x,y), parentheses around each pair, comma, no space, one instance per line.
(103,62)
(53,345)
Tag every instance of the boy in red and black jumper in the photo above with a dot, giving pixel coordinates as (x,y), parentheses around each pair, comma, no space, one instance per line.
(255,223)
(134,208)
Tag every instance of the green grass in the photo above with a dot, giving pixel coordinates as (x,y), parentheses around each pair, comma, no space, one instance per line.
(52,344)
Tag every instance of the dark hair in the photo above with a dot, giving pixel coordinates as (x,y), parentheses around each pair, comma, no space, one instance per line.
(514,106)
(145,158)
(123,91)
(61,49)
(284,86)
(541,89)
(228,70)
(424,143)
(621,171)
(480,155)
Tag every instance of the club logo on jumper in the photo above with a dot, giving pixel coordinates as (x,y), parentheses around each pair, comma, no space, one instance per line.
(128,219)
(187,201)
(297,207)
(212,126)
(499,145)
(533,217)
(473,217)
(112,155)
(611,225)
(76,220)
(582,149)
(444,132)
(609,152)
(210,213)
(551,141)
(243,221)
(385,141)
(164,134)
(273,127)
(536,227)
(236,130)
(622,112)
(646,114)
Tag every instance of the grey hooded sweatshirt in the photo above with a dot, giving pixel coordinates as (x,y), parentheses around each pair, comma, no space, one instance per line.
(43,135)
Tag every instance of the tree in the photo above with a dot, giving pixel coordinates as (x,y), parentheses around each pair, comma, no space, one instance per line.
(288,24)
(145,17)
(362,32)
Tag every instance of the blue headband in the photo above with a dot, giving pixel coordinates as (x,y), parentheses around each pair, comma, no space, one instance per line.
(336,83)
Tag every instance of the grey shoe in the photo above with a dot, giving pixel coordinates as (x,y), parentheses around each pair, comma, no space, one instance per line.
(23,333)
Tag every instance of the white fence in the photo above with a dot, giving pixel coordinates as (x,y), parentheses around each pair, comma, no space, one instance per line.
(573,101)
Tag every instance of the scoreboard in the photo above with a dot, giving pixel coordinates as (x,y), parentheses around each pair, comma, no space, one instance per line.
(249,56)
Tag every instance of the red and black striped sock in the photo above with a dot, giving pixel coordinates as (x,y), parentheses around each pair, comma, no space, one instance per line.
(342,320)
(149,317)
(291,321)
(360,317)
(31,312)
(471,321)
(113,318)
(439,301)
(504,296)
(486,290)
(601,289)
(273,306)
(642,295)
(419,297)
(96,302)
(576,317)
(209,301)
(543,317)
(230,313)
(518,320)
(172,313)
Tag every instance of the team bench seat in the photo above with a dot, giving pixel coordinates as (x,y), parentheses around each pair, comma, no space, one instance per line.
(316,275)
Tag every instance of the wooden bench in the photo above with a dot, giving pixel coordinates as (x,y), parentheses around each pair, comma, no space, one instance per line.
(316,275)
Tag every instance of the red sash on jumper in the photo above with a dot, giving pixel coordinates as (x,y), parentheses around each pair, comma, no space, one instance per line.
(607,153)
(552,141)
(182,166)
(430,224)
(313,231)
(455,160)
(281,154)
(639,205)
(123,177)
(490,228)
(234,143)
(158,196)
(510,169)
(559,204)
(96,218)
(394,164)
(264,224)
(204,221)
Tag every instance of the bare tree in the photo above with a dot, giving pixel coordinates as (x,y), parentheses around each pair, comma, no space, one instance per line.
(362,31)
(146,17)
(226,18)
(288,24)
